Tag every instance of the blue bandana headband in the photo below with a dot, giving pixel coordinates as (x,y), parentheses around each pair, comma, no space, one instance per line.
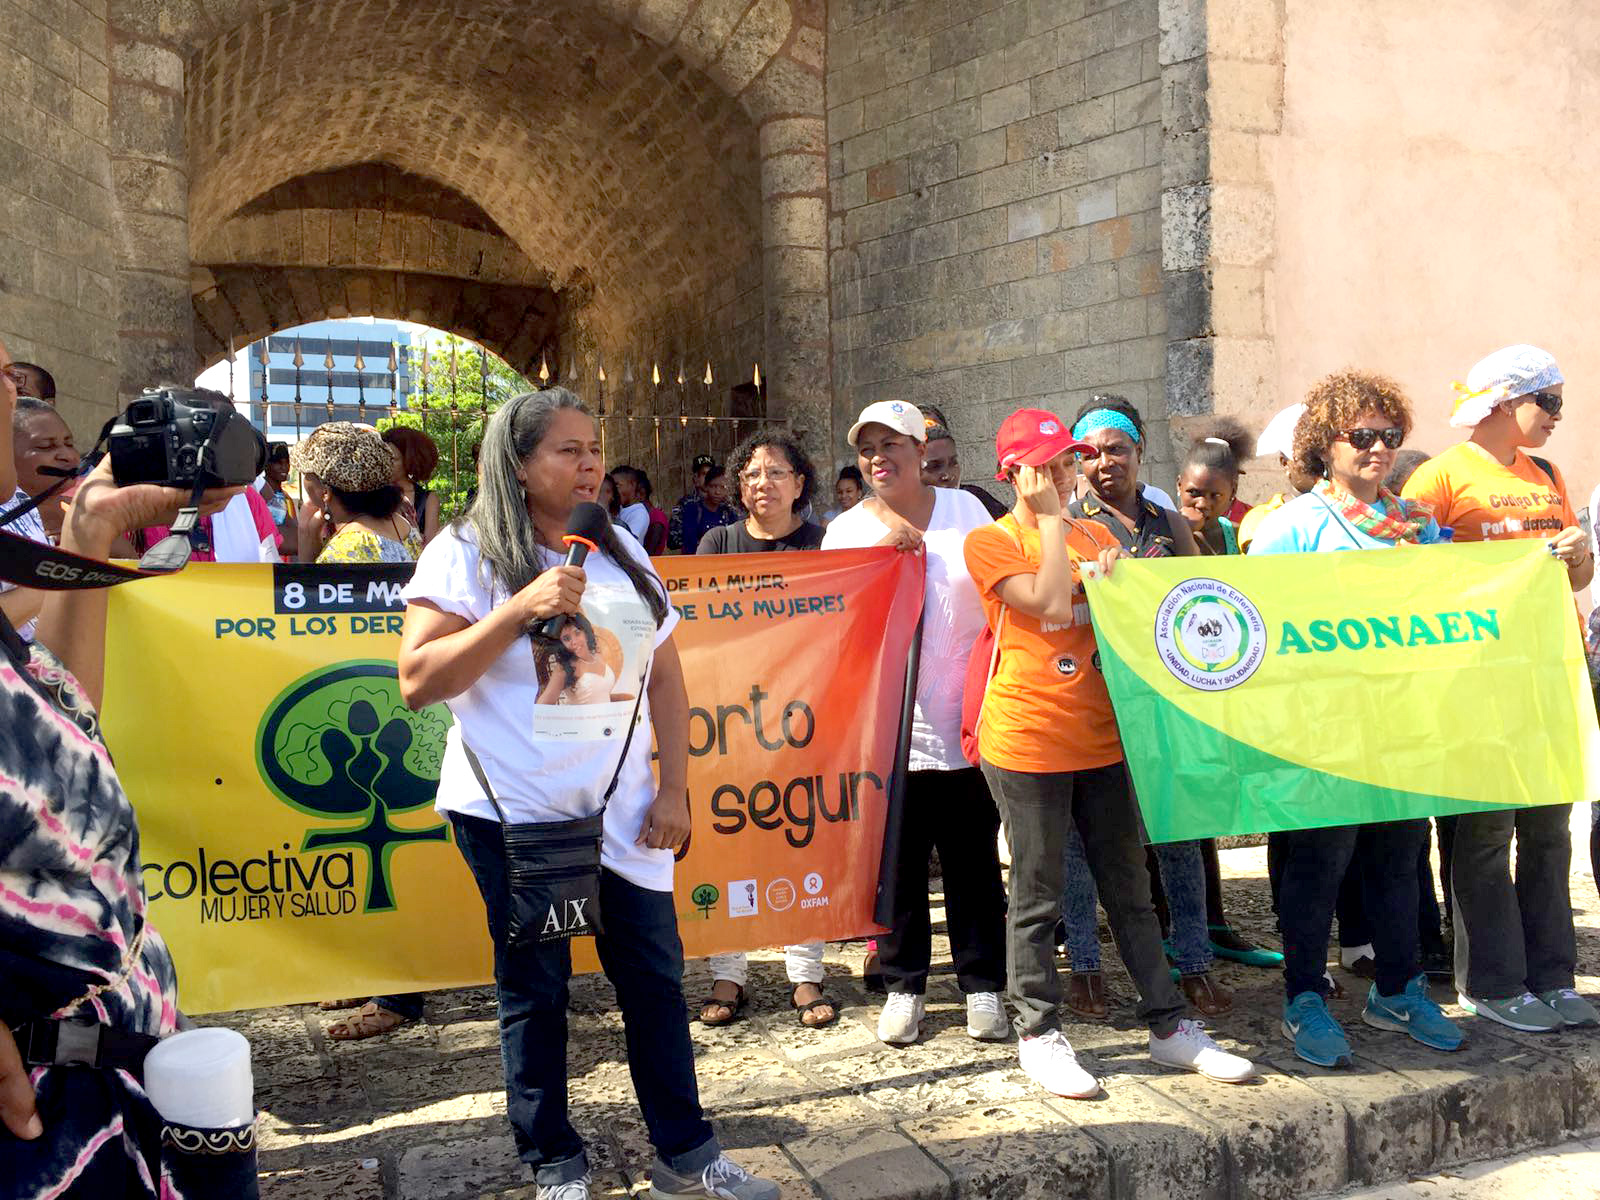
(1104,418)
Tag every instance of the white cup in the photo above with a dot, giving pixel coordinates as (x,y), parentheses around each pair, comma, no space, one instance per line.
(201,1078)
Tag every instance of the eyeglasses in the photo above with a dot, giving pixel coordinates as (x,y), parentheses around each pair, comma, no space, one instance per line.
(1365,439)
(1549,401)
(771,474)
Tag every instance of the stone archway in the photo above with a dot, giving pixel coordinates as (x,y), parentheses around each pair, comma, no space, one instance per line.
(657,167)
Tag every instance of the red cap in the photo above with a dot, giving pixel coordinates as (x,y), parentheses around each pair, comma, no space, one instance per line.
(1031,437)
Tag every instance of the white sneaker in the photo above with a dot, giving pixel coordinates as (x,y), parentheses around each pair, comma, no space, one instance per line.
(1190,1048)
(900,1022)
(1050,1062)
(986,1017)
(575,1189)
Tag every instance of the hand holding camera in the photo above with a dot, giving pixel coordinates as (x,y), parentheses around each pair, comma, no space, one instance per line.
(100,509)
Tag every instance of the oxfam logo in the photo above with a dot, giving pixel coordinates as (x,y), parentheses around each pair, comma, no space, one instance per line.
(1210,635)
(340,744)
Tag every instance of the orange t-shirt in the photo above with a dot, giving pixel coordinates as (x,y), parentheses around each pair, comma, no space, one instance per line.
(1484,500)
(1047,709)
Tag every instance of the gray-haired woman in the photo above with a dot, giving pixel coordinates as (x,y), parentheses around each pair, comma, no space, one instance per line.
(480,586)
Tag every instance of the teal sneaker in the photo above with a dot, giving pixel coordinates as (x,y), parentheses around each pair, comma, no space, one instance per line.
(1226,942)
(1525,1012)
(1572,1008)
(1412,1012)
(1317,1037)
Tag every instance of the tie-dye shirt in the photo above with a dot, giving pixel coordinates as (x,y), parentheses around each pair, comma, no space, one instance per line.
(72,917)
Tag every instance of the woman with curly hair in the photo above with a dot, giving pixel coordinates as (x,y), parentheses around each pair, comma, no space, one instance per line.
(1353,423)
(775,480)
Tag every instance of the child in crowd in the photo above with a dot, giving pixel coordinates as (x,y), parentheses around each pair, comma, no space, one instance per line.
(1208,485)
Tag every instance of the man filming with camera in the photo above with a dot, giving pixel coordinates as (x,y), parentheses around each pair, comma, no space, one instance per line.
(89,985)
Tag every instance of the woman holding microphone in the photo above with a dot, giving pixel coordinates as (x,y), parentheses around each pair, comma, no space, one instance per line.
(513,763)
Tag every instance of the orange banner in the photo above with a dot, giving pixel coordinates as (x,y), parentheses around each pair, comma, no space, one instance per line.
(796,670)
(276,879)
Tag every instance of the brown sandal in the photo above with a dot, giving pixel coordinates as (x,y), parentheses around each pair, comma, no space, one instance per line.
(713,1001)
(336,1005)
(370,1020)
(1086,995)
(1209,998)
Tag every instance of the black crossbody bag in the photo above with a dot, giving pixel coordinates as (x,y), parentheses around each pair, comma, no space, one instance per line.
(553,867)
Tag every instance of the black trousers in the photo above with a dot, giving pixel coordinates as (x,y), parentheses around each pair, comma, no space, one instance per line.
(952,812)
(1513,934)
(1314,863)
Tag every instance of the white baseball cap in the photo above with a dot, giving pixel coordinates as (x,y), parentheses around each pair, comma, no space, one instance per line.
(1278,436)
(896,414)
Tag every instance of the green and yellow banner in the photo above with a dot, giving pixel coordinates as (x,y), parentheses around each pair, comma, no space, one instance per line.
(1306,690)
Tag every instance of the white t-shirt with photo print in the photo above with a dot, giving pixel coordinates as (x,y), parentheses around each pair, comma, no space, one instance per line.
(552,761)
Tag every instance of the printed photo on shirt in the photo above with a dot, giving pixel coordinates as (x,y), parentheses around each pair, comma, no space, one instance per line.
(581,665)
(590,674)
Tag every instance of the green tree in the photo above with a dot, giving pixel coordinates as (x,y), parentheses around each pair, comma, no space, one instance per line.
(451,409)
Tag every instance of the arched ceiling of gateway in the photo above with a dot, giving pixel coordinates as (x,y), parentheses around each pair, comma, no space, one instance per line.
(593,148)
(372,215)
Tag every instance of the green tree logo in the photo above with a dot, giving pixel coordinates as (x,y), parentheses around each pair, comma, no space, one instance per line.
(704,896)
(340,744)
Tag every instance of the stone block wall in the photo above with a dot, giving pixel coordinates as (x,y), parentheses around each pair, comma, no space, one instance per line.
(1222,104)
(995,227)
(58,293)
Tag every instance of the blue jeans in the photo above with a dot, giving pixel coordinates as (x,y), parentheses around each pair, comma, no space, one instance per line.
(1183,876)
(643,958)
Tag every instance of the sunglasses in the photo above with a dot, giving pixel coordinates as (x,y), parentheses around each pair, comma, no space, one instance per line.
(1549,401)
(1365,439)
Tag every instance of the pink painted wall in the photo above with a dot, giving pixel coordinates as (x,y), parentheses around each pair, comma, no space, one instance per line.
(1438,196)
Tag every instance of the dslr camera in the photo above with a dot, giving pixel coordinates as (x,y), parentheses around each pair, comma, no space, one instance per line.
(173,437)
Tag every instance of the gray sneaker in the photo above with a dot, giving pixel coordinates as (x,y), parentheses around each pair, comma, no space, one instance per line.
(573,1189)
(723,1179)
(1572,1008)
(1525,1012)
(986,1017)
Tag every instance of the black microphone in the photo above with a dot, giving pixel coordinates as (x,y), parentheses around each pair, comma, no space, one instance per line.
(586,528)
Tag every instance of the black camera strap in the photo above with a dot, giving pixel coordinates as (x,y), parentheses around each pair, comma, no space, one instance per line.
(32,564)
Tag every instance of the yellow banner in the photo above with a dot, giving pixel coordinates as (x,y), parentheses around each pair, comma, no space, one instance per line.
(285,793)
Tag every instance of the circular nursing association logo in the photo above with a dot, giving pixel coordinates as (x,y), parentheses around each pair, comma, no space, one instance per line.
(1210,635)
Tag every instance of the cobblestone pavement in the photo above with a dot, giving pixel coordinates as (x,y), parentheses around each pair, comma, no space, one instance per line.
(835,1113)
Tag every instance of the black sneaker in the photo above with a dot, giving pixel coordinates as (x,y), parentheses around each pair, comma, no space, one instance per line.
(1438,965)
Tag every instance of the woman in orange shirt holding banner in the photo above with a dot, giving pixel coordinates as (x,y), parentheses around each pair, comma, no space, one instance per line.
(1051,752)
(1515,946)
